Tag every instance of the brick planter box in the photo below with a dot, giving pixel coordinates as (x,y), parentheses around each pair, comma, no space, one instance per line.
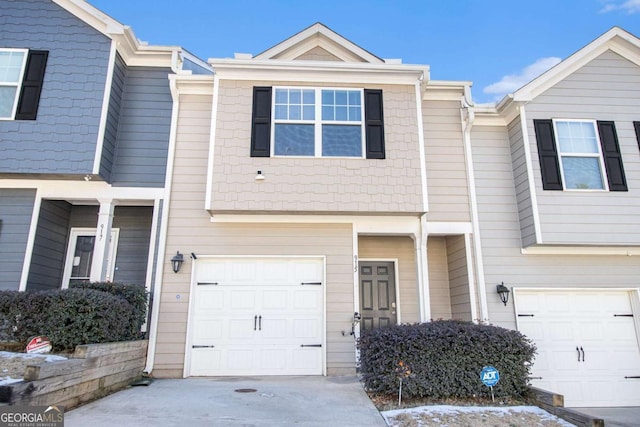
(93,371)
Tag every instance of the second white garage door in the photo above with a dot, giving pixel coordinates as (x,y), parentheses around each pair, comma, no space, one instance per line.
(587,345)
(257,316)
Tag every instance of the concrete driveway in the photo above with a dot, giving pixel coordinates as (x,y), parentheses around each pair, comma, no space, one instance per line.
(628,416)
(276,401)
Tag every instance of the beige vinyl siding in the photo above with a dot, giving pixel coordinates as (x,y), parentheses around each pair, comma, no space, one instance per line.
(500,231)
(445,162)
(440,300)
(607,88)
(318,54)
(521,181)
(458,278)
(319,185)
(402,249)
(190,230)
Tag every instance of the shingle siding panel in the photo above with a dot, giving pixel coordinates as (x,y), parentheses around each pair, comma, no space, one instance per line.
(16,209)
(63,138)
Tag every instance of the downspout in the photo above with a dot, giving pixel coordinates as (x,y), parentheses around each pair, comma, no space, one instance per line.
(162,243)
(468,116)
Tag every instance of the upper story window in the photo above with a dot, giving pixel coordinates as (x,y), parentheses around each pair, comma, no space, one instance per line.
(21,77)
(318,122)
(579,155)
(12,63)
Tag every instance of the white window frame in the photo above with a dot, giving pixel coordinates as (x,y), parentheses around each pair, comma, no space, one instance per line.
(17,85)
(561,154)
(71,250)
(317,122)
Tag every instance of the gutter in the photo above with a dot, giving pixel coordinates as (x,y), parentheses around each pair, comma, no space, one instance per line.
(467,124)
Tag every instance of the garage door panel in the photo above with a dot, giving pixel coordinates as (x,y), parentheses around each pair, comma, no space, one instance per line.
(563,321)
(258,316)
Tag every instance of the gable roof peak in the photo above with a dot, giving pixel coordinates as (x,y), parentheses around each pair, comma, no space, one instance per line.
(319,35)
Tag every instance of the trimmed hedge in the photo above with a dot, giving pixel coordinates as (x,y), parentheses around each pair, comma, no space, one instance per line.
(443,359)
(68,317)
(136,295)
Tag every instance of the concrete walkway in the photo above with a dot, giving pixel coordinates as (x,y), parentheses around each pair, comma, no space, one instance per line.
(277,401)
(615,417)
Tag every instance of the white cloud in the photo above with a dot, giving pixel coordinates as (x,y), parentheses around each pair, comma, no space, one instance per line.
(629,6)
(511,82)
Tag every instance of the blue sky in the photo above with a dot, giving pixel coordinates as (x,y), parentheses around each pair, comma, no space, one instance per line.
(496,44)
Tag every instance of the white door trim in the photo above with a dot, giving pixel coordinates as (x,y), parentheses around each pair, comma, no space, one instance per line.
(192,290)
(71,248)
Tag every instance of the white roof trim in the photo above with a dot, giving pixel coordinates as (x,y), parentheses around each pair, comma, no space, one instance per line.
(616,40)
(289,49)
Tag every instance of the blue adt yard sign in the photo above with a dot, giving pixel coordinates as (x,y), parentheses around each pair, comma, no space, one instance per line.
(489,376)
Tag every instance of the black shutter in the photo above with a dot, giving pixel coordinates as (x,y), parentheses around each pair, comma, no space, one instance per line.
(637,126)
(261,122)
(32,85)
(548,155)
(612,156)
(374,123)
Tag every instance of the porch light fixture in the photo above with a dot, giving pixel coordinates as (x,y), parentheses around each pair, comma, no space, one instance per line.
(503,292)
(176,262)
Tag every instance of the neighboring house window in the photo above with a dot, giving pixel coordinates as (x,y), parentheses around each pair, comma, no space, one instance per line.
(579,155)
(317,122)
(21,77)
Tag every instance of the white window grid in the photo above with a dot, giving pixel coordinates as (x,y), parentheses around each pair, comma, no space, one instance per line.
(598,155)
(17,84)
(318,121)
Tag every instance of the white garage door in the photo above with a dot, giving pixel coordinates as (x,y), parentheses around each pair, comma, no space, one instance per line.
(587,345)
(257,316)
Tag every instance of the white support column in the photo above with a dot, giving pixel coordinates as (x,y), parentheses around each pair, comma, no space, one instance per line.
(103,238)
(423,271)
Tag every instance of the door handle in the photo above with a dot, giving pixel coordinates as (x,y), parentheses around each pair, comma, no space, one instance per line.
(582,350)
(255,320)
(259,323)
(578,350)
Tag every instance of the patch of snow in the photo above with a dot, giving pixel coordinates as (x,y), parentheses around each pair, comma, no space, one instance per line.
(436,410)
(9,380)
(47,357)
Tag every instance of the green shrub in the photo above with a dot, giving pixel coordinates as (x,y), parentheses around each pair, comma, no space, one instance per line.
(136,295)
(445,359)
(68,317)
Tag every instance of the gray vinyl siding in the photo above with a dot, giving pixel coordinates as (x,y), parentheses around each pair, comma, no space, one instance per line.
(16,208)
(133,243)
(500,231)
(63,138)
(50,246)
(143,131)
(113,118)
(447,183)
(83,216)
(458,278)
(607,88)
(521,180)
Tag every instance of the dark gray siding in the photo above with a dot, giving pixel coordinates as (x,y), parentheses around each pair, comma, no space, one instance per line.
(143,132)
(113,118)
(63,138)
(84,216)
(16,208)
(133,244)
(50,246)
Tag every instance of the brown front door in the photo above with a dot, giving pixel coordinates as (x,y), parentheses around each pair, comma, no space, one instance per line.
(377,294)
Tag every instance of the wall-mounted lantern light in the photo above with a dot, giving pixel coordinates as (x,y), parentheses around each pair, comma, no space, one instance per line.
(503,292)
(176,262)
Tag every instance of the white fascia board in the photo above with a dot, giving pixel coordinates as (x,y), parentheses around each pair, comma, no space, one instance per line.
(448,228)
(369,225)
(81,190)
(194,84)
(581,250)
(444,90)
(616,40)
(317,71)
